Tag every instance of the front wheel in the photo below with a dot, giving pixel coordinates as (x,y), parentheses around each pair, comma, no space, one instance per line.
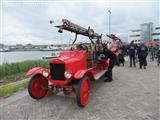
(83,91)
(38,86)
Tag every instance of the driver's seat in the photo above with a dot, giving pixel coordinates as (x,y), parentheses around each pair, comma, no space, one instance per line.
(89,58)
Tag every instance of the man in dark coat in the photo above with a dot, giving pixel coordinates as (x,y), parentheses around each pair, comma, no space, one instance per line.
(131,50)
(109,54)
(152,51)
(122,54)
(142,55)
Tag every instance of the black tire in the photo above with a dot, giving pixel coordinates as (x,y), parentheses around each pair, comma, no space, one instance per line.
(30,91)
(78,91)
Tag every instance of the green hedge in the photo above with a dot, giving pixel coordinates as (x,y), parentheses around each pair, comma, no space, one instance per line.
(7,69)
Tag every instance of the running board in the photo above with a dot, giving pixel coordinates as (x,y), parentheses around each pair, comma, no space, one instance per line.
(100,74)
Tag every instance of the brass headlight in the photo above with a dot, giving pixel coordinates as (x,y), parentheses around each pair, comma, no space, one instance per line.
(67,74)
(45,73)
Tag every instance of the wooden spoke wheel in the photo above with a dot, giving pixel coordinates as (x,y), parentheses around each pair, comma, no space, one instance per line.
(83,91)
(38,86)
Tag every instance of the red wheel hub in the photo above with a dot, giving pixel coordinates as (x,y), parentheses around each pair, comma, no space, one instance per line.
(39,86)
(85,91)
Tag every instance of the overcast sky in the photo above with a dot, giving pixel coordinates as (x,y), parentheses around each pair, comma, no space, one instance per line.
(28,21)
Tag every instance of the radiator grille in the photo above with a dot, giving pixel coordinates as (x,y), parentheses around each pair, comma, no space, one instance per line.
(57,71)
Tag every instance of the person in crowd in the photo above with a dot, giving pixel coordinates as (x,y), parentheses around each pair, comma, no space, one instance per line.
(100,54)
(123,53)
(136,54)
(158,56)
(131,51)
(121,57)
(152,51)
(109,55)
(142,55)
(157,48)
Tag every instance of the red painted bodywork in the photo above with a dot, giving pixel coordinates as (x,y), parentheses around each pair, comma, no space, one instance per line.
(36,70)
(76,63)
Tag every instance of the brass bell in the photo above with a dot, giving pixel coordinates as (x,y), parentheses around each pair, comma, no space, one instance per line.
(60,30)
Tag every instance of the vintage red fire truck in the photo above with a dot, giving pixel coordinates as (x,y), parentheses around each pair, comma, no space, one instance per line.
(72,71)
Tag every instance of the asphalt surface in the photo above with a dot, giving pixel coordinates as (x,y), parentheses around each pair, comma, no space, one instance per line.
(133,95)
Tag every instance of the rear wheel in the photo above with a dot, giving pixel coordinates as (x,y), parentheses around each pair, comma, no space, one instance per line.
(38,86)
(83,91)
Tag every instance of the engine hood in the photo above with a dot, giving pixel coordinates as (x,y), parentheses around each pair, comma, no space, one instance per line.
(70,57)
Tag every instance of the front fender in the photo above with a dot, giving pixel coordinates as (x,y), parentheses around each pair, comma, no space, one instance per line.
(79,74)
(35,71)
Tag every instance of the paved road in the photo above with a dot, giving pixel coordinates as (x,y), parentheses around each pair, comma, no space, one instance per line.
(133,95)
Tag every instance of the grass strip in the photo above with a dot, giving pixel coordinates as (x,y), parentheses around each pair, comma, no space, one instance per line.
(7,90)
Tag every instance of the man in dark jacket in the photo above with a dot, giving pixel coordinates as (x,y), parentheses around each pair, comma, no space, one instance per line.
(109,54)
(131,50)
(142,55)
(152,51)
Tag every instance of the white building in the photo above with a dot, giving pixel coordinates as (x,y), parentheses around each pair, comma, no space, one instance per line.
(146,32)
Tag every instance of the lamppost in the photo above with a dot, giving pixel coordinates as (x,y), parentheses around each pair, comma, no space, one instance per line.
(109,13)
